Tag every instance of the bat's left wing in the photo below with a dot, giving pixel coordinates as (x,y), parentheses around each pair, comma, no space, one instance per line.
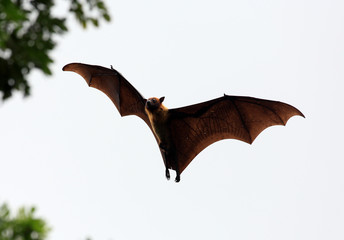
(126,98)
(243,118)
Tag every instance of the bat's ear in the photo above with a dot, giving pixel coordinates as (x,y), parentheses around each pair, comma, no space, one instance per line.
(162,99)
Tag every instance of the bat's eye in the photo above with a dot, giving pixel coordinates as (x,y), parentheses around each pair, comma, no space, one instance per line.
(154,101)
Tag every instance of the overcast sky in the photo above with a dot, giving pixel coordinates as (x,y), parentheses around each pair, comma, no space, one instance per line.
(92,173)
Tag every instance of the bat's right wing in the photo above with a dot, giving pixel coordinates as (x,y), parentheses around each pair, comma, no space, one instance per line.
(243,118)
(126,98)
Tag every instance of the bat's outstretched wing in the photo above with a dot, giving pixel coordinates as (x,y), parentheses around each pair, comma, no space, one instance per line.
(126,98)
(197,126)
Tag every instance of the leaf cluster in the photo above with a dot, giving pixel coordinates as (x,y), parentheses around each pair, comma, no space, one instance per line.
(27,30)
(24,226)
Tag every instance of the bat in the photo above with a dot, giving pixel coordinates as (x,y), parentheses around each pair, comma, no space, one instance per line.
(182,133)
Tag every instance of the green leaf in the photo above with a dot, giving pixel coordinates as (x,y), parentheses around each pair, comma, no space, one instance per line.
(94,21)
(106,17)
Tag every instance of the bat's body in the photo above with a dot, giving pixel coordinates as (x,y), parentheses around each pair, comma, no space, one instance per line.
(159,117)
(184,132)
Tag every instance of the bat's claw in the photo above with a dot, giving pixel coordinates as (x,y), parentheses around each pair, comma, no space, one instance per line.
(167,174)
(177,178)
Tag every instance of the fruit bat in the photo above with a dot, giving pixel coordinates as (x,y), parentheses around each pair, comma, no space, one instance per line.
(184,132)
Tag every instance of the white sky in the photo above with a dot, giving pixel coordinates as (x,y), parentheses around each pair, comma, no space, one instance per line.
(92,173)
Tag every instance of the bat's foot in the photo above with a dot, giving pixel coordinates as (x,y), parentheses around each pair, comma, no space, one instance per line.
(177,178)
(167,174)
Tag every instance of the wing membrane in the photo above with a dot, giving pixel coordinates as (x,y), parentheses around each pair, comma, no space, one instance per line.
(230,117)
(126,98)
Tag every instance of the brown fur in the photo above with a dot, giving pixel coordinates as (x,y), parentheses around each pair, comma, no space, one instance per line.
(158,117)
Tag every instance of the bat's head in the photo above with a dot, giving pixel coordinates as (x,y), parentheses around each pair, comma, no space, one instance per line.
(154,103)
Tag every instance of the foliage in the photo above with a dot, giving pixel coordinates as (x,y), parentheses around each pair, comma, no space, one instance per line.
(24,226)
(27,30)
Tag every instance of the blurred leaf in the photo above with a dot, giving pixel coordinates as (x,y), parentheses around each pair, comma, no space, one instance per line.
(95,22)
(106,17)
(25,225)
